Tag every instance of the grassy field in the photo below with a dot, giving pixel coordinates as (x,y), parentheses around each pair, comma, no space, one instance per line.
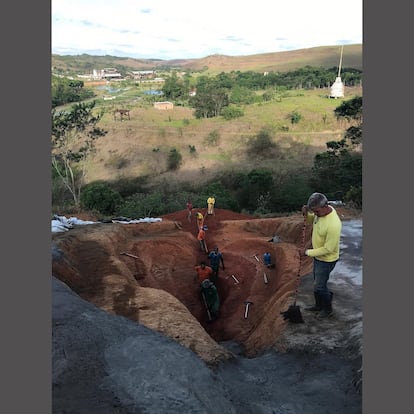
(140,146)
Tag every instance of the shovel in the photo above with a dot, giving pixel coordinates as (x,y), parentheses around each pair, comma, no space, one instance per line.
(205,303)
(293,314)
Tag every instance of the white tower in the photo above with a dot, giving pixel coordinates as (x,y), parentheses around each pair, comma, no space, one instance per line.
(337,88)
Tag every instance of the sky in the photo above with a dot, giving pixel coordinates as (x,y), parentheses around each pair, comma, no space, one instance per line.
(192,29)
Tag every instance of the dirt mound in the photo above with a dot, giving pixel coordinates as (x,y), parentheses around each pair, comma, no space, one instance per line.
(154,283)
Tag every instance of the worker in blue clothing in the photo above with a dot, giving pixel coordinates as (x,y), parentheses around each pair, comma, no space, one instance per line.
(216,257)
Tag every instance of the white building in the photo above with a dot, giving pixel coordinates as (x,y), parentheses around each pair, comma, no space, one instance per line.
(337,88)
(106,73)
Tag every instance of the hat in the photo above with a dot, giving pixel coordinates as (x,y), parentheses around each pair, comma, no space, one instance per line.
(206,283)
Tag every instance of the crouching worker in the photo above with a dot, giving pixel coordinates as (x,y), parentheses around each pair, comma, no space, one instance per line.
(210,299)
(203,272)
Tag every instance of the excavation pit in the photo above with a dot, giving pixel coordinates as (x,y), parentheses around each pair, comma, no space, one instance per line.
(154,283)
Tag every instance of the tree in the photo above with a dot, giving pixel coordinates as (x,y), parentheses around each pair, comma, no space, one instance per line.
(294,117)
(68,91)
(74,133)
(101,197)
(254,189)
(210,102)
(338,171)
(262,144)
(174,159)
(350,109)
(175,88)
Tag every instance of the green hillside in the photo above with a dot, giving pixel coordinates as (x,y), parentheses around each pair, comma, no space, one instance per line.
(324,56)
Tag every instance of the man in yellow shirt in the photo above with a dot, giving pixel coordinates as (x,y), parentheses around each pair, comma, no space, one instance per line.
(210,205)
(200,219)
(326,233)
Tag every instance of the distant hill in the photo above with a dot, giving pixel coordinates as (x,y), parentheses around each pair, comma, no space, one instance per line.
(323,56)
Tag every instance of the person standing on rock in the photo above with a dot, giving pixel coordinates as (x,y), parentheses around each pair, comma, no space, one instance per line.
(326,233)
(210,205)
(216,257)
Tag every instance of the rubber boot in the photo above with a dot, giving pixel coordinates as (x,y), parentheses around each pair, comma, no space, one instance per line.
(318,304)
(327,308)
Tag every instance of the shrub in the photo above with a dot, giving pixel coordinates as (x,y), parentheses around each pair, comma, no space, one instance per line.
(142,205)
(232,112)
(174,159)
(294,117)
(126,186)
(213,138)
(354,197)
(100,197)
(262,143)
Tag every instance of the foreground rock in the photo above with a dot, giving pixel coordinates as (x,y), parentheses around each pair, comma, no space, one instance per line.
(108,364)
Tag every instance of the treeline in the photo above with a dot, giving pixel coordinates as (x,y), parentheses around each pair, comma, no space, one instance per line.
(304,78)
(215,94)
(66,90)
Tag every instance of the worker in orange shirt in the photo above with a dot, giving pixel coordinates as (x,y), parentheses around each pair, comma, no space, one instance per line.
(203,272)
(201,237)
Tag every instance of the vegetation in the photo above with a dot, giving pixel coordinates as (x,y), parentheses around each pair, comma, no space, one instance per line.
(73,140)
(338,171)
(68,90)
(261,134)
(174,159)
(99,196)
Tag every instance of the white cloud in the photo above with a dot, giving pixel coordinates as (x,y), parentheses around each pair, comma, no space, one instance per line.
(190,29)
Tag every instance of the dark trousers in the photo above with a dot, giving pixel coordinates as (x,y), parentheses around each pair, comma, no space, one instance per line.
(321,273)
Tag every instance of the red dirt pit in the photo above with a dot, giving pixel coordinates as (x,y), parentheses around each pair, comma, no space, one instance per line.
(159,290)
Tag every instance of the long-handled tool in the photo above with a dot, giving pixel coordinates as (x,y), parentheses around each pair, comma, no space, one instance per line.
(130,255)
(236,281)
(293,314)
(246,310)
(205,303)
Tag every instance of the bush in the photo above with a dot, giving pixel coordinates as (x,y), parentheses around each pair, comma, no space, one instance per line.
(262,143)
(128,186)
(294,117)
(354,197)
(232,112)
(142,205)
(100,197)
(213,138)
(174,159)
